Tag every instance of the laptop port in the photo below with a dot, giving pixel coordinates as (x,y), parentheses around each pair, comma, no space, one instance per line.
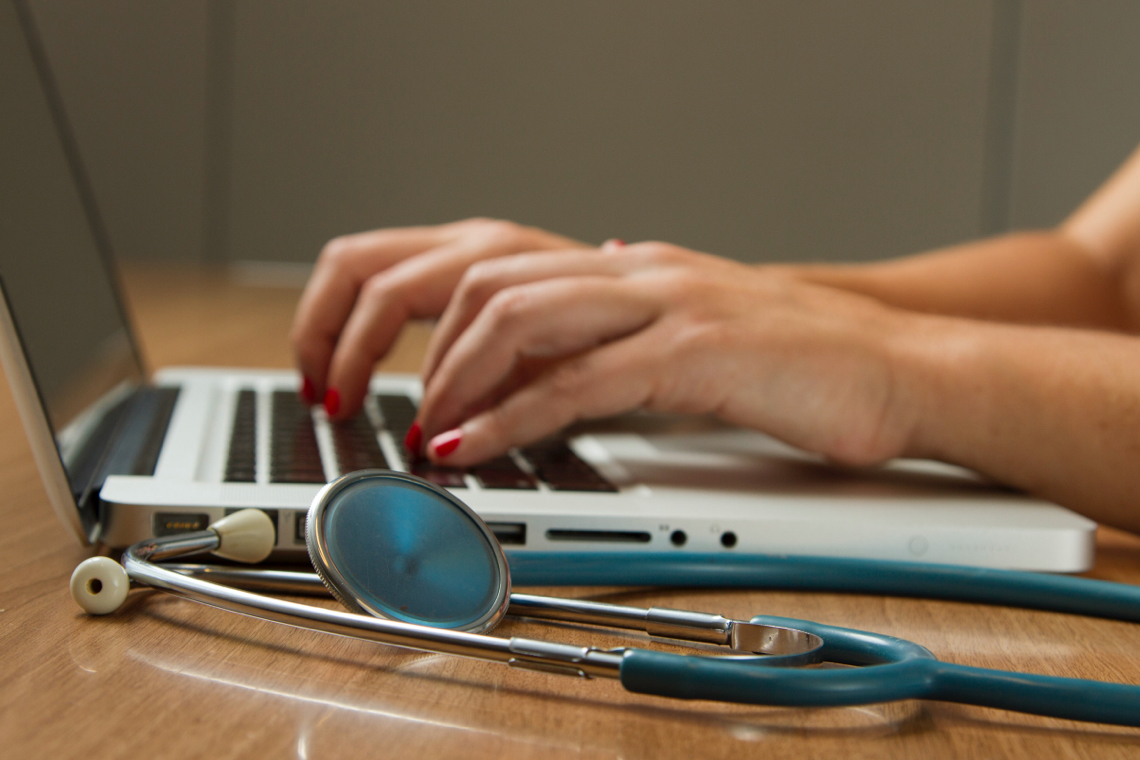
(299,528)
(678,538)
(605,536)
(170,523)
(513,534)
(728,539)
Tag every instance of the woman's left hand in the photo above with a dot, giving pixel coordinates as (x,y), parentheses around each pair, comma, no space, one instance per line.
(531,343)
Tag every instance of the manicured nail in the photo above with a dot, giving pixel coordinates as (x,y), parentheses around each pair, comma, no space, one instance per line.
(308,395)
(446,443)
(414,438)
(332,401)
(614,243)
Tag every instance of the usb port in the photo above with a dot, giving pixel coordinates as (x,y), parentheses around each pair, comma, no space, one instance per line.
(509,533)
(299,528)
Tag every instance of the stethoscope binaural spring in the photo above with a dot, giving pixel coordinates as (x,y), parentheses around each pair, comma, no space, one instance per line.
(417,568)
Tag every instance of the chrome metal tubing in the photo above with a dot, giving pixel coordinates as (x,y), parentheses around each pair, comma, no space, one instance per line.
(272,581)
(690,626)
(675,624)
(180,545)
(549,657)
(578,611)
(656,621)
(797,647)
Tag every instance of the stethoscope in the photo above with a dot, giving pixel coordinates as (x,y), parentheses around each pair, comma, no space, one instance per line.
(417,568)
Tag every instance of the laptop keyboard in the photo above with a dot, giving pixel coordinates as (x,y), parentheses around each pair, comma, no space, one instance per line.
(241,465)
(294,454)
(356,447)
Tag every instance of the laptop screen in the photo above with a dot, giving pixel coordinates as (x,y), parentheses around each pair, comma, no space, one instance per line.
(53,255)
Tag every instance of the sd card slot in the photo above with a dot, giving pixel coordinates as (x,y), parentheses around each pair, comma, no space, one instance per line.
(606,536)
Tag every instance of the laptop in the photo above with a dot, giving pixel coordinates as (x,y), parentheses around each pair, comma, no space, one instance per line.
(126,454)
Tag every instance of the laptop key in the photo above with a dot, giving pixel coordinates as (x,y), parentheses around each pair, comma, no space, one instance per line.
(241,463)
(356,447)
(398,412)
(553,461)
(294,456)
(447,477)
(502,472)
(559,467)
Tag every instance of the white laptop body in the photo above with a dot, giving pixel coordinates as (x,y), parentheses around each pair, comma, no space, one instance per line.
(684,485)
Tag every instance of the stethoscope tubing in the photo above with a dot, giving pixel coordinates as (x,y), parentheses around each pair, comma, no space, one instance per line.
(894,670)
(959,583)
(670,675)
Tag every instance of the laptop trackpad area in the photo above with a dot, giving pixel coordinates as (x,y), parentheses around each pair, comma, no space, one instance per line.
(666,453)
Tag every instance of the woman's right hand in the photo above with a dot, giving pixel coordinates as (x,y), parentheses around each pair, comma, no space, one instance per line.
(366,286)
(538,341)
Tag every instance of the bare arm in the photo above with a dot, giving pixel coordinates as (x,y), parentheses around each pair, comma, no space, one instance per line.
(1085,273)
(1053,411)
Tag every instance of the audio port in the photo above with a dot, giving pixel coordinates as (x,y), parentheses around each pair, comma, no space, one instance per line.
(728,539)
(678,538)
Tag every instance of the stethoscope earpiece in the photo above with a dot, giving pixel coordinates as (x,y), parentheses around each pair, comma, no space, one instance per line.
(99,585)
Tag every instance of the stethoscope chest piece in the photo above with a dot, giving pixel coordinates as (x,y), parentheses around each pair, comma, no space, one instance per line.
(397,547)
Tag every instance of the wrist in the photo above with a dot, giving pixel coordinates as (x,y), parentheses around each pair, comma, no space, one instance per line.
(938,384)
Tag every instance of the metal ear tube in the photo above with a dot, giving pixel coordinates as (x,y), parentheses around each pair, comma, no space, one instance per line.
(787,645)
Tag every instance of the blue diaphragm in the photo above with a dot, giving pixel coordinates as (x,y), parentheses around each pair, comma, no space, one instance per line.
(395,546)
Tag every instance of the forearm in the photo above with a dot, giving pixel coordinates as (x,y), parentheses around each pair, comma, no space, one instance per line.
(1032,278)
(1055,412)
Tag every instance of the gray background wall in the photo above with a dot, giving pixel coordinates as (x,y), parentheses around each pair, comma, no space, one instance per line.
(221,130)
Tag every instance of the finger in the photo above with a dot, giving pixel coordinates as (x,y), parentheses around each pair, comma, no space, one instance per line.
(550,318)
(611,379)
(344,265)
(486,278)
(417,287)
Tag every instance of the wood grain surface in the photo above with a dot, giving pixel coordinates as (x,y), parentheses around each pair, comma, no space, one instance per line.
(166,677)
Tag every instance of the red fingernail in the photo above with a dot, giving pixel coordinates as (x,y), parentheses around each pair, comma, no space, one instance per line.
(332,401)
(613,243)
(414,438)
(308,395)
(446,443)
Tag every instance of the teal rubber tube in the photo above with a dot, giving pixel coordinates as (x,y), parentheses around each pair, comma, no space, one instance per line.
(893,669)
(1011,588)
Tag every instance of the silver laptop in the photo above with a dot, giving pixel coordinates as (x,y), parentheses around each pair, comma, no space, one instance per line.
(125,455)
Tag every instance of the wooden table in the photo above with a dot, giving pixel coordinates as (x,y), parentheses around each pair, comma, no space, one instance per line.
(169,678)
